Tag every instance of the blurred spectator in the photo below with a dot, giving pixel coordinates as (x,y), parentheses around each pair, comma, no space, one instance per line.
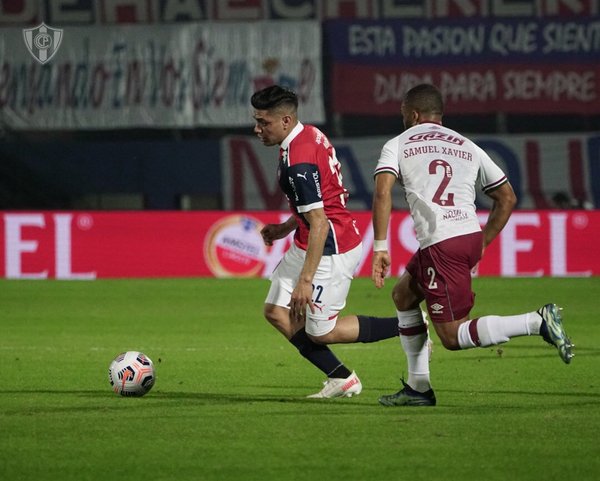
(561,200)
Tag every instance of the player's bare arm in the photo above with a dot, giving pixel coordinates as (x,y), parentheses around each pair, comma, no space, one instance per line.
(504,202)
(302,294)
(272,232)
(382,208)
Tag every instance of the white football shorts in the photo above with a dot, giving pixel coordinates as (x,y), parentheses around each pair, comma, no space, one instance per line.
(330,286)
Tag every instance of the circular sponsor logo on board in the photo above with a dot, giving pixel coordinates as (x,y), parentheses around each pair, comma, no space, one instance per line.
(234,247)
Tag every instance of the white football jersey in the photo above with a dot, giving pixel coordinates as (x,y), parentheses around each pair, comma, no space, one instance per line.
(439,169)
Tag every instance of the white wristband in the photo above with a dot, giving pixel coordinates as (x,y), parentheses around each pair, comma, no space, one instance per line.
(380,245)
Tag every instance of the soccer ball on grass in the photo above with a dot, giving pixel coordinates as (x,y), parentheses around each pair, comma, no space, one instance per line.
(131,374)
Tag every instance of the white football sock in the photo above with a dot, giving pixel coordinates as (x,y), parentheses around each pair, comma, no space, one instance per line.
(414,343)
(492,330)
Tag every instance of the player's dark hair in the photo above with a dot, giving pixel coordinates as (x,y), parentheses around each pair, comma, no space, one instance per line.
(425,98)
(273,97)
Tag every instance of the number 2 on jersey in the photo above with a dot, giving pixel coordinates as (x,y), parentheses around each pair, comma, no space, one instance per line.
(431,273)
(447,175)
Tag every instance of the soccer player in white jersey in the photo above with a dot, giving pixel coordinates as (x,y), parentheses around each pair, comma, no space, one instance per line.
(310,284)
(440,170)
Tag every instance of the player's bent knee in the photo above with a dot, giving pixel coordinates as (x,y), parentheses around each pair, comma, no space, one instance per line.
(275,316)
(450,342)
(269,314)
(448,333)
(279,318)
(402,301)
(324,339)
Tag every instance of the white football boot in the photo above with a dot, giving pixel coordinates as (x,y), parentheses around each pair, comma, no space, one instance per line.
(339,387)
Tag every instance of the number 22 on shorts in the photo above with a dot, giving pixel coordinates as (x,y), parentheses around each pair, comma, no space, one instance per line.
(318,289)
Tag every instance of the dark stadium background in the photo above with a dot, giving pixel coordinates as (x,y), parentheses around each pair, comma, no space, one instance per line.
(86,169)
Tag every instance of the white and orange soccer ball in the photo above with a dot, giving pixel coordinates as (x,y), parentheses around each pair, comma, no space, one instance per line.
(131,374)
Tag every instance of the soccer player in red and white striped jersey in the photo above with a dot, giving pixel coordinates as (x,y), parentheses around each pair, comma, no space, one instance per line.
(310,285)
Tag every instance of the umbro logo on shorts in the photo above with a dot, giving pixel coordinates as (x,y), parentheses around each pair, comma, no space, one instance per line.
(437,308)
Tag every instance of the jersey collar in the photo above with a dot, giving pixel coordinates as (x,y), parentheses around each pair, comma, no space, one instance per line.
(292,135)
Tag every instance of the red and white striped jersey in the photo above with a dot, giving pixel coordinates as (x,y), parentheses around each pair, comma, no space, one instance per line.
(310,176)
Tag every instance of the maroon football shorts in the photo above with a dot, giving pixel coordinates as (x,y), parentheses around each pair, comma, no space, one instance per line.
(443,271)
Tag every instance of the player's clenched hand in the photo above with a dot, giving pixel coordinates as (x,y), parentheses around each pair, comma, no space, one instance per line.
(381,267)
(301,298)
(270,233)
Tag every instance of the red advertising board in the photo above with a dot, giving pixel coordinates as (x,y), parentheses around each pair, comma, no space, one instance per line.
(75,245)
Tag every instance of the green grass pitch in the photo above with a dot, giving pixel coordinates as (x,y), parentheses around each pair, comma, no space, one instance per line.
(229,403)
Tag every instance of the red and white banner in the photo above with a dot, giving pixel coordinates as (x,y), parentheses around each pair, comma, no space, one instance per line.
(197,74)
(72,245)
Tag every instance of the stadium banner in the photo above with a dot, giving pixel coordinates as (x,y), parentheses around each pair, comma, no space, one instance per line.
(27,12)
(85,246)
(513,65)
(539,167)
(189,75)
